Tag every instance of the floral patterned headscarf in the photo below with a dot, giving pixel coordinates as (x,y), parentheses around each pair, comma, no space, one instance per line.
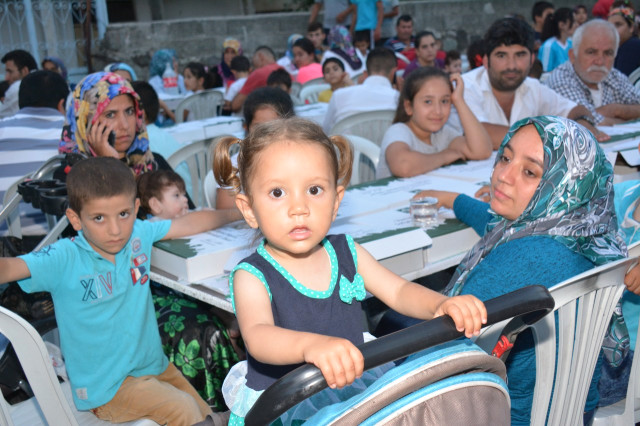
(223,69)
(573,203)
(340,42)
(90,98)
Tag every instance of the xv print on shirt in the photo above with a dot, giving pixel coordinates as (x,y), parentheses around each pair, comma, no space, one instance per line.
(95,285)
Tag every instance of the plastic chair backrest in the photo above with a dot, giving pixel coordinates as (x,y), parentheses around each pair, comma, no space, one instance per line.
(36,364)
(197,156)
(622,413)
(365,159)
(309,94)
(210,189)
(370,124)
(200,105)
(313,82)
(295,93)
(584,305)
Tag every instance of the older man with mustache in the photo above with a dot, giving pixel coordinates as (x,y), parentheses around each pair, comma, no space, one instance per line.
(589,78)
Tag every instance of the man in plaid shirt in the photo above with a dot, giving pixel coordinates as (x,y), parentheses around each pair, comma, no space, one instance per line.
(589,79)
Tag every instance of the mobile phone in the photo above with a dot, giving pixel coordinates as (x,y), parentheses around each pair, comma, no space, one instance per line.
(112,138)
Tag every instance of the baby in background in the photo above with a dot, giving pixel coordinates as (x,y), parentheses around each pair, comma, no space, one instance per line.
(162,194)
(453,62)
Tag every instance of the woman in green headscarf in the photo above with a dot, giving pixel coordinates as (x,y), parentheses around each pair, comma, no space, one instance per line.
(551,217)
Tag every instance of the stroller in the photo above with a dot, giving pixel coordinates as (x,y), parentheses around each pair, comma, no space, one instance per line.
(453,383)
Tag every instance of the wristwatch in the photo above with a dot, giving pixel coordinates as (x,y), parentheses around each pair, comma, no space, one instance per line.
(586,118)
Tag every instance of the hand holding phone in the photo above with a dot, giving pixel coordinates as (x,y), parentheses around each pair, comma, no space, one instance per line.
(112,138)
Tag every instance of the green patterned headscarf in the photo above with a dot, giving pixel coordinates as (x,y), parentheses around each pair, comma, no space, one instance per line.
(573,203)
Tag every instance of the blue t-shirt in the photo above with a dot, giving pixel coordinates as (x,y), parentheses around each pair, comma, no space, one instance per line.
(552,53)
(107,323)
(367,14)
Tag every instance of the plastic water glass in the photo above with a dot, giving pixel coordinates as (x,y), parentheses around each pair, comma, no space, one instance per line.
(424,211)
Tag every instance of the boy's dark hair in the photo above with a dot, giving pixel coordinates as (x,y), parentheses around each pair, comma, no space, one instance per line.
(240,63)
(452,55)
(539,7)
(333,60)
(21,58)
(362,36)
(314,26)
(153,183)
(148,100)
(508,32)
(42,89)
(272,97)
(404,18)
(381,61)
(98,177)
(279,77)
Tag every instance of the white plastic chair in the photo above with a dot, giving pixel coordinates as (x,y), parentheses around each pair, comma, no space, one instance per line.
(200,105)
(624,412)
(365,159)
(370,124)
(210,189)
(51,405)
(309,94)
(584,305)
(198,157)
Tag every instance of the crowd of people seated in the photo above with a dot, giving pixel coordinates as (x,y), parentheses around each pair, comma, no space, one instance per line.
(528,91)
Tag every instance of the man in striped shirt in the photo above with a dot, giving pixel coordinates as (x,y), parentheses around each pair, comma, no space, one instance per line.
(31,136)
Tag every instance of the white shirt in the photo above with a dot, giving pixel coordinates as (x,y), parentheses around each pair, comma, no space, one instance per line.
(532,98)
(375,93)
(10,104)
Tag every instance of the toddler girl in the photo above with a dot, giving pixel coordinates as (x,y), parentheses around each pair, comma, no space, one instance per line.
(198,78)
(297,298)
(334,74)
(162,195)
(421,139)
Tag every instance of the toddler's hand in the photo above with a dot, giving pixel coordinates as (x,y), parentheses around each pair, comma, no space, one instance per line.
(338,359)
(468,313)
(632,280)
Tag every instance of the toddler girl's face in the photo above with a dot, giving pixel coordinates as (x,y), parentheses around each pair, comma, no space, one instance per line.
(332,73)
(173,204)
(455,66)
(430,108)
(294,198)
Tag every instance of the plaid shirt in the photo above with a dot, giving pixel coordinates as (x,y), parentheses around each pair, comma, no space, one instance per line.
(616,88)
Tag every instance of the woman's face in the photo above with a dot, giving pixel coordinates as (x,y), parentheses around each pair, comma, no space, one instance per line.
(50,66)
(228,55)
(124,74)
(301,58)
(121,114)
(191,82)
(517,173)
(430,108)
(624,29)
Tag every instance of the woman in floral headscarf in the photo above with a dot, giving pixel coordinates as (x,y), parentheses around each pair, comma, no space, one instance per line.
(105,103)
(551,217)
(342,48)
(623,18)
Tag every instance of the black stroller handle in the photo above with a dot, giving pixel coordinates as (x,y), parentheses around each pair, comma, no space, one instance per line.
(529,304)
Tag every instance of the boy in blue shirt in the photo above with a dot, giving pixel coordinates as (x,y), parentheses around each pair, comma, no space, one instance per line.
(99,282)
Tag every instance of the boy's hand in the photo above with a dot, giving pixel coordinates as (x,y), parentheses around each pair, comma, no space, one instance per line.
(468,313)
(338,359)
(632,280)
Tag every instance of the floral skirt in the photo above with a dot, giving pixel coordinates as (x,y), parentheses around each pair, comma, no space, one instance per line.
(196,341)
